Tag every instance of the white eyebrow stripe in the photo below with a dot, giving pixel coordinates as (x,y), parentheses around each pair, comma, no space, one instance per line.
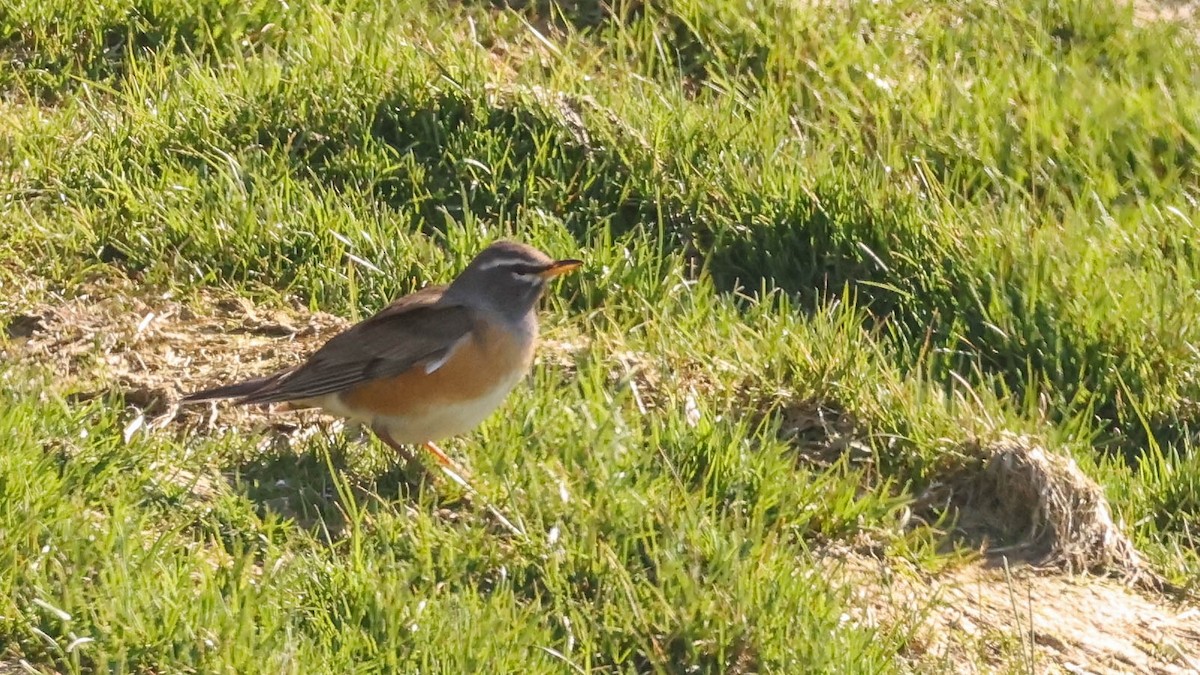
(503,262)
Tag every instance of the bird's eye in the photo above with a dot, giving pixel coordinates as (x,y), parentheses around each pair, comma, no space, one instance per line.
(524,274)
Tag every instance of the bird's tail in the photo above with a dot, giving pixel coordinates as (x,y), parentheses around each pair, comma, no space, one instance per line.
(238,390)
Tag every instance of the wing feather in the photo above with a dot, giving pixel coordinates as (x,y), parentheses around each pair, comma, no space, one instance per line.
(416,329)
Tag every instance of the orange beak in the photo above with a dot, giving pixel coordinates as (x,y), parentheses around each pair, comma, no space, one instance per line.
(560,267)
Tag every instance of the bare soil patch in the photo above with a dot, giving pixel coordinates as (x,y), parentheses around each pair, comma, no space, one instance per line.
(984,617)
(1183,11)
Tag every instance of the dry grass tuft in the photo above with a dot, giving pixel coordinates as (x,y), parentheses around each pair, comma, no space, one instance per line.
(1019,499)
(822,433)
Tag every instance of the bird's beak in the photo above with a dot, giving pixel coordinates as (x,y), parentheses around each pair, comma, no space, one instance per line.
(560,267)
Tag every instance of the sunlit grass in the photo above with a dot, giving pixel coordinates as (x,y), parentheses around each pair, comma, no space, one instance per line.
(941,220)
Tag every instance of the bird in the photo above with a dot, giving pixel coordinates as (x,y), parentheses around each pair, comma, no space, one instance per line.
(432,364)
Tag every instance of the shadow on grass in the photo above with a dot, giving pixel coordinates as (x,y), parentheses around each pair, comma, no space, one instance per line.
(311,489)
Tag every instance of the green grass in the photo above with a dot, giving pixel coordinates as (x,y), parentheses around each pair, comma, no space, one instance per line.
(639,571)
(943,220)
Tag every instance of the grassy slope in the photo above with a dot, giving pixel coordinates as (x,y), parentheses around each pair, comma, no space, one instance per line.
(966,218)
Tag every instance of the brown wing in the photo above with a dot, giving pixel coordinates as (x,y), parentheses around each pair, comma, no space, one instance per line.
(411,330)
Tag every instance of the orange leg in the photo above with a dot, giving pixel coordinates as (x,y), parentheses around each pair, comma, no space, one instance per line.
(407,455)
(450,469)
(448,466)
(454,471)
(401,450)
(442,457)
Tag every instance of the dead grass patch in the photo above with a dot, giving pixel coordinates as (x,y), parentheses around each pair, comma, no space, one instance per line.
(1013,497)
(153,349)
(822,433)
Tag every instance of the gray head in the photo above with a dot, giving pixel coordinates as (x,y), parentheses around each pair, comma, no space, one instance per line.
(508,278)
